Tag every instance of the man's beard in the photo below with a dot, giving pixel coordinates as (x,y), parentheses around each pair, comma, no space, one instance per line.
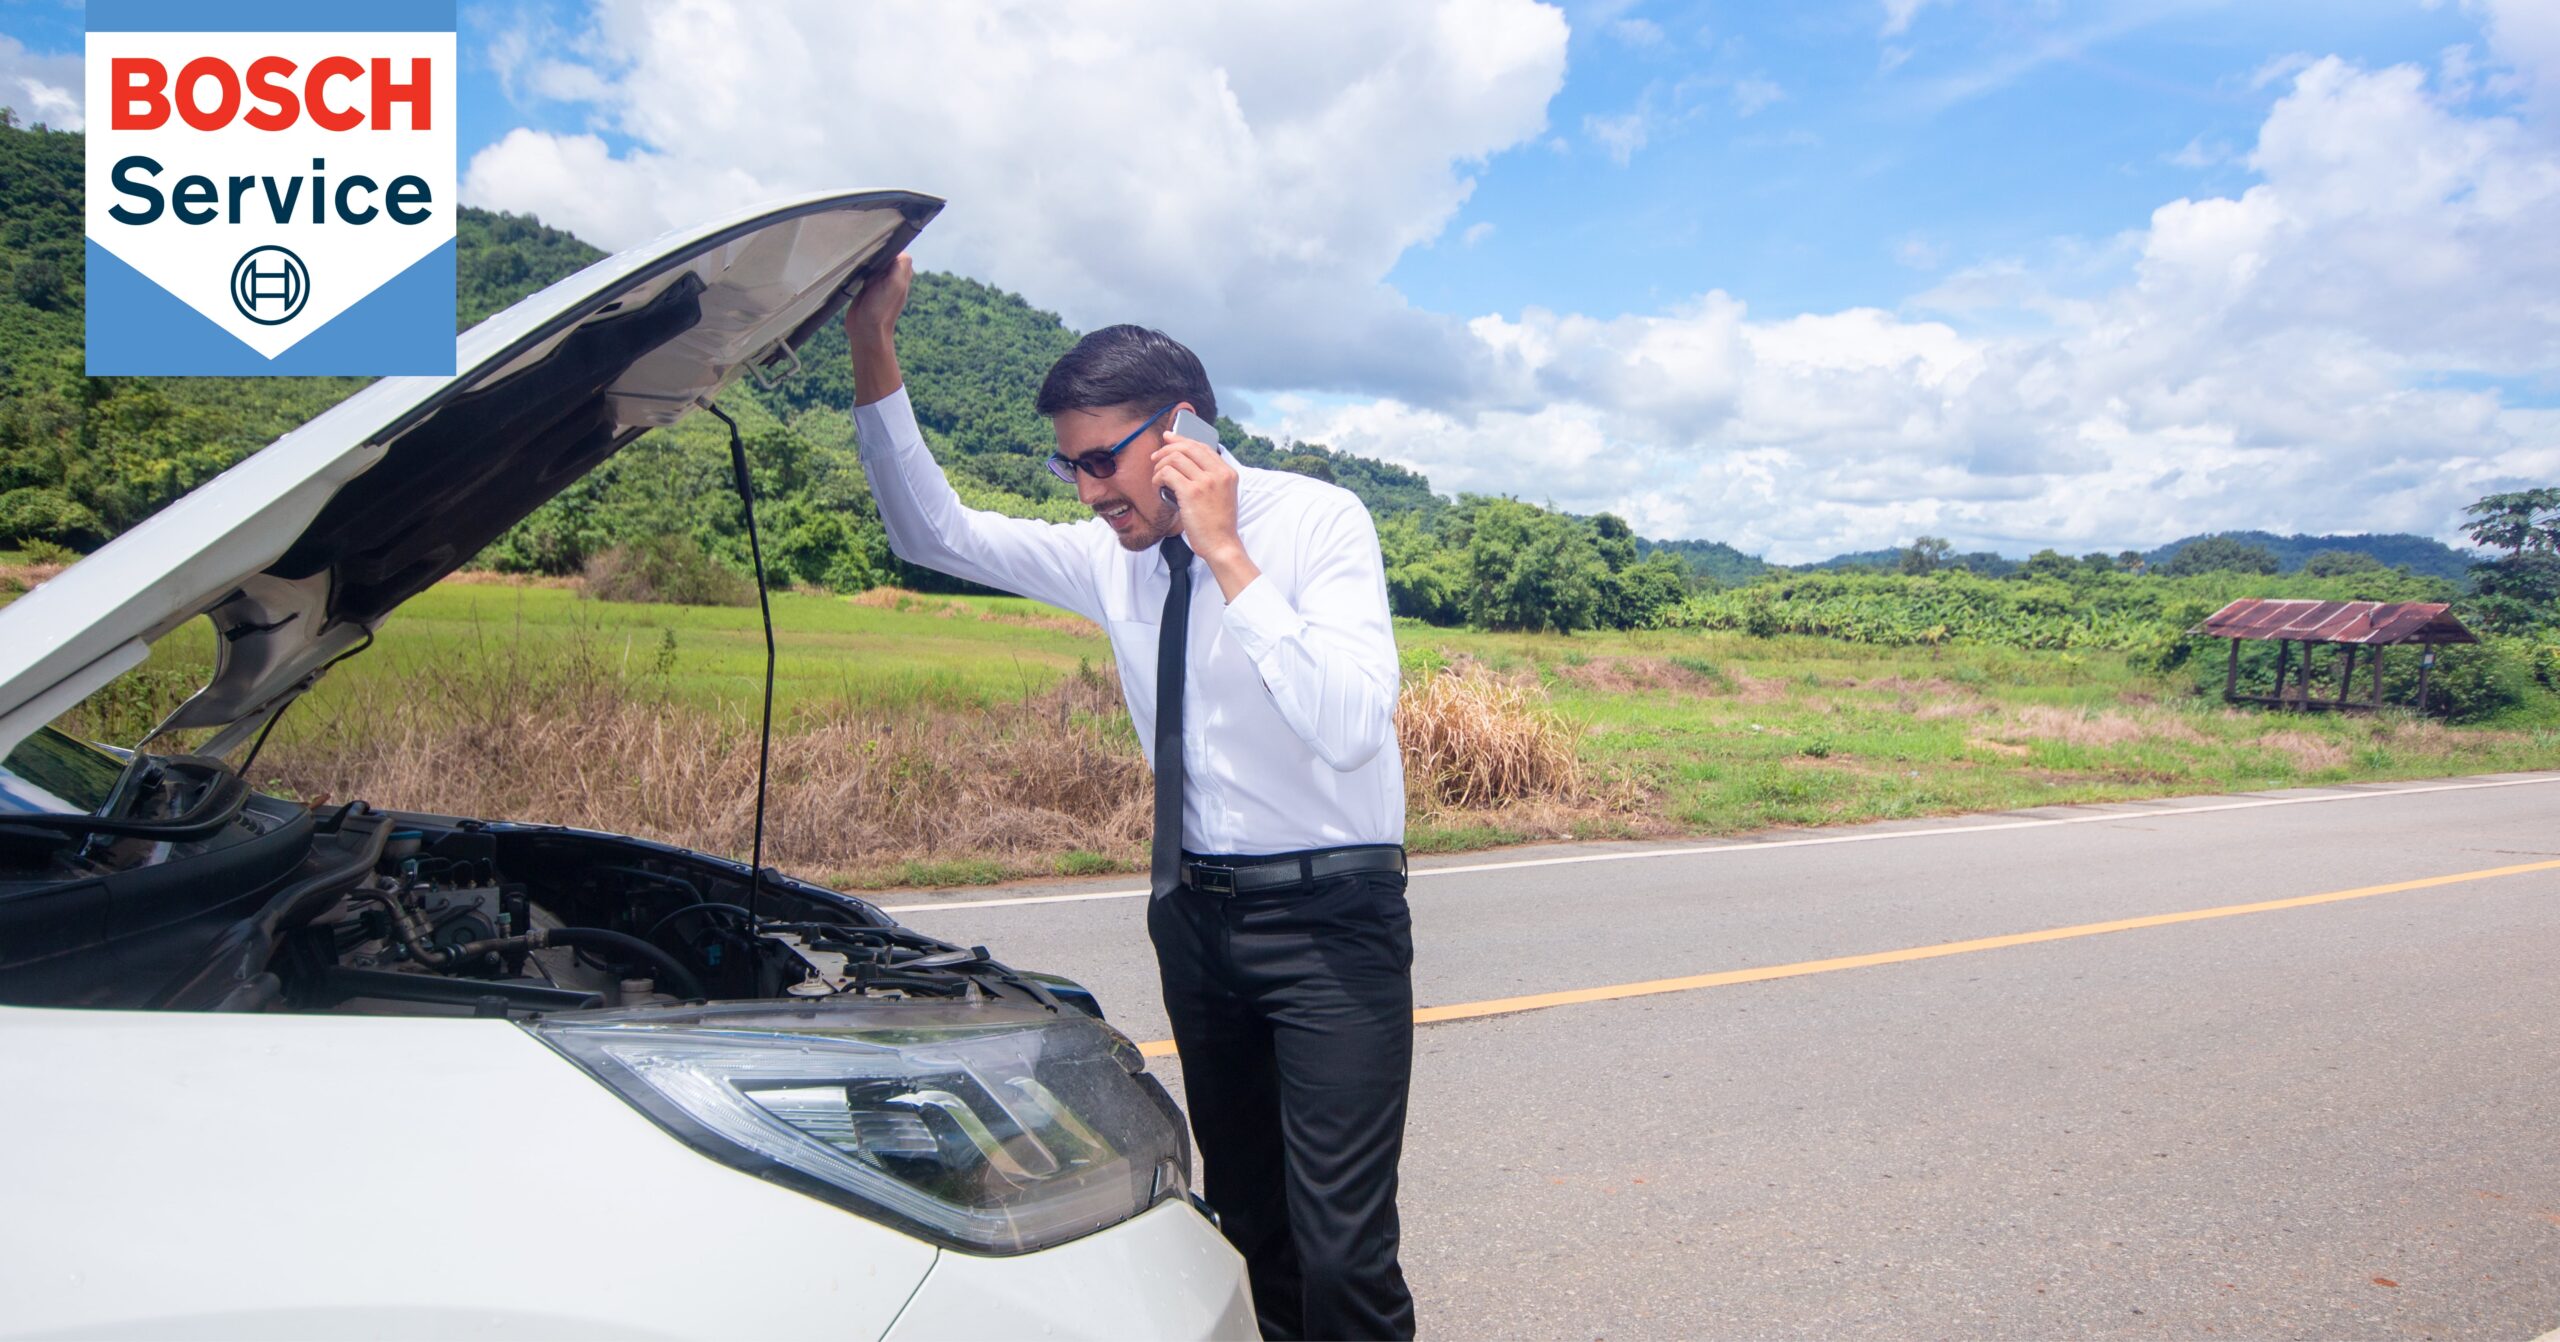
(1151,530)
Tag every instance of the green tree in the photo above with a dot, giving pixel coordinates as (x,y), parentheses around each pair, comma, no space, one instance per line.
(40,283)
(2516,523)
(2337,563)
(2219,554)
(1307,464)
(40,513)
(1926,555)
(2519,591)
(1426,578)
(1529,568)
(2048,563)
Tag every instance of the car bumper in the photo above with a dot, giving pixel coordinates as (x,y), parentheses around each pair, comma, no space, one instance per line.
(1165,1274)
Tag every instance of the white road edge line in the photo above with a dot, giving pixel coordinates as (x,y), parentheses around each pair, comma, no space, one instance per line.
(1706,850)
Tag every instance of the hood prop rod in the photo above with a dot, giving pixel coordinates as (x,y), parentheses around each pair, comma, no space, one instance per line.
(764,756)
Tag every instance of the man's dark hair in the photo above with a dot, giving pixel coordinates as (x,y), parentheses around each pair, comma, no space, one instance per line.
(1126,365)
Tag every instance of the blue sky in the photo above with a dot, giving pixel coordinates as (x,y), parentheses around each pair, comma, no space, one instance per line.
(1856,183)
(1806,278)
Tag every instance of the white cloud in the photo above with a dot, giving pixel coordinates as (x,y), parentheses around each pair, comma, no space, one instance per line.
(1898,15)
(1477,232)
(1643,34)
(2200,153)
(1245,176)
(2318,352)
(2525,34)
(1619,136)
(41,87)
(1753,95)
(1919,253)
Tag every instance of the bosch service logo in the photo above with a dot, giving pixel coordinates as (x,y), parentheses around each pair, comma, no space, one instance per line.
(233,161)
(269,285)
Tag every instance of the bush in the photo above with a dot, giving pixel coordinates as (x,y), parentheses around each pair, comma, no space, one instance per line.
(2122,612)
(42,513)
(2492,678)
(670,569)
(1472,739)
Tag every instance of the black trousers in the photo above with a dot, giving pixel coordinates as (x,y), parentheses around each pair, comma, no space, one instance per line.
(1293,1012)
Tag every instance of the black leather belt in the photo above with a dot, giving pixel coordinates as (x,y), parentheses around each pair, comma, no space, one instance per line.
(1224,876)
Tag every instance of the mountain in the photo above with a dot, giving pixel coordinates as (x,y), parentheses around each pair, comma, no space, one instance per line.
(2421,555)
(1713,560)
(1983,562)
(1889,557)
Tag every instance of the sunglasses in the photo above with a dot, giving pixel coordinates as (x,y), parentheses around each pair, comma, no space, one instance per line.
(1100,465)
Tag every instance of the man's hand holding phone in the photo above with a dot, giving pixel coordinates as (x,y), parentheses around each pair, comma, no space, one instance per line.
(1201,482)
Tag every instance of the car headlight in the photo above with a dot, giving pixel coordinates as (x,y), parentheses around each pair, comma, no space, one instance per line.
(993,1130)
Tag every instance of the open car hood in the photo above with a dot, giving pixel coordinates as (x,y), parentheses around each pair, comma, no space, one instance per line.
(301,550)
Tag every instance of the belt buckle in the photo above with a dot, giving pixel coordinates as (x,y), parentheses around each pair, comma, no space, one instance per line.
(1213,880)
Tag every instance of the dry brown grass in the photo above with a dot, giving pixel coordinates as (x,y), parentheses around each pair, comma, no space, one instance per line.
(2408,735)
(2105,727)
(483,577)
(955,608)
(24,577)
(1633,675)
(1751,689)
(850,788)
(1925,687)
(1474,740)
(2309,753)
(563,737)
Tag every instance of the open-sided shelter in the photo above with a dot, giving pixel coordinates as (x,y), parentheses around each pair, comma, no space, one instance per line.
(2351,626)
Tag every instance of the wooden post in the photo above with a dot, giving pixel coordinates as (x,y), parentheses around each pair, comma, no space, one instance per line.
(2284,657)
(2377,675)
(2346,673)
(2231,675)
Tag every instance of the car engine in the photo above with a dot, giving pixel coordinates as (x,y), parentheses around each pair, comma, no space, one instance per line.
(468,917)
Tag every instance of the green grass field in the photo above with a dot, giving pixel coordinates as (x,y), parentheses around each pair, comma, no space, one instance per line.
(1681,732)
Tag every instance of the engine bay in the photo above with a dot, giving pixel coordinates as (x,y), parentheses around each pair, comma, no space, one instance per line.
(477,918)
(190,892)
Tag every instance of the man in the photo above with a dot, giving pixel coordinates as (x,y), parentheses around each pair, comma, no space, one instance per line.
(1248,611)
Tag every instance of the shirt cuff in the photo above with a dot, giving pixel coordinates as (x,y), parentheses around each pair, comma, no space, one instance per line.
(876,426)
(1260,617)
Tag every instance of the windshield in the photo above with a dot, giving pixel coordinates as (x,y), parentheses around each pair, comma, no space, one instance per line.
(52,774)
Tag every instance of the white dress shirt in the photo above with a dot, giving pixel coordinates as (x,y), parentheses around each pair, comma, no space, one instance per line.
(1289,696)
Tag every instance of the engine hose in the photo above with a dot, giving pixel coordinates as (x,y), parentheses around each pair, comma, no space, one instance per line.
(671,971)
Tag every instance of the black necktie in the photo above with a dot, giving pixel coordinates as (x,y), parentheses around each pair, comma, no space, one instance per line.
(1173,633)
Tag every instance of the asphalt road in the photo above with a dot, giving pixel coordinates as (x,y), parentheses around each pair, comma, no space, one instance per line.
(2323,1120)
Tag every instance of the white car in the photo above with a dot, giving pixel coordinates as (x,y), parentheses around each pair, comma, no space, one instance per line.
(271,1072)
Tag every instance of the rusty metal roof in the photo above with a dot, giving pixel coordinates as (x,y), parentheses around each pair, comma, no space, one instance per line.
(2361,622)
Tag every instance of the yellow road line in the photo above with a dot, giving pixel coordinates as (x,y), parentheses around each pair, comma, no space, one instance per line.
(1504,1006)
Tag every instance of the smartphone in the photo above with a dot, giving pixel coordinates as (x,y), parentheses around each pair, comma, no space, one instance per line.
(1198,430)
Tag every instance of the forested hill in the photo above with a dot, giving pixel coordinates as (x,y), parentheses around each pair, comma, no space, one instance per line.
(2422,555)
(1713,560)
